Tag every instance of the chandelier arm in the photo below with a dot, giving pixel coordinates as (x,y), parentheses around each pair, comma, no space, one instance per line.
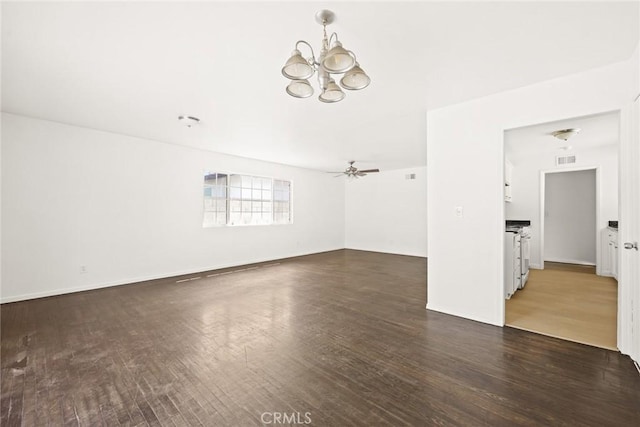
(313,55)
(331,38)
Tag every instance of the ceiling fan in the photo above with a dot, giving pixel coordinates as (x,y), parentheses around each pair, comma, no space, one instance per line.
(353,172)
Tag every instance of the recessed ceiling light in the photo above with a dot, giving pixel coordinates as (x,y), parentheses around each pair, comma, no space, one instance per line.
(189,121)
(565,134)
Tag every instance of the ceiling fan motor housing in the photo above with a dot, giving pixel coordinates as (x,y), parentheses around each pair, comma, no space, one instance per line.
(352,171)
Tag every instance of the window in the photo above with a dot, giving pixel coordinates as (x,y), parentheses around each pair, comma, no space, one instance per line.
(250,200)
(233,199)
(281,202)
(215,200)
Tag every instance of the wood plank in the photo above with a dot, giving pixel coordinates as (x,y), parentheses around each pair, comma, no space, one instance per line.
(567,302)
(342,335)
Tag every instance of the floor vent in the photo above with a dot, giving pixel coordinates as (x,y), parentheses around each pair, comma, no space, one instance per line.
(270,265)
(187,280)
(565,160)
(227,272)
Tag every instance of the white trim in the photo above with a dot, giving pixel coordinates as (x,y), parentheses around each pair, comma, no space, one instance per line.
(628,292)
(464,315)
(570,261)
(624,326)
(404,253)
(501,307)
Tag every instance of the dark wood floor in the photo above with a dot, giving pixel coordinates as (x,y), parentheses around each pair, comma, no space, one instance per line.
(342,338)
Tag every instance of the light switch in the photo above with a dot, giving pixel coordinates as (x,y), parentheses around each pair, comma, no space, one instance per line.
(459,212)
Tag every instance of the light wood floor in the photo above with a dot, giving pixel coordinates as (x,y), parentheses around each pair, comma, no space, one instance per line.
(568,302)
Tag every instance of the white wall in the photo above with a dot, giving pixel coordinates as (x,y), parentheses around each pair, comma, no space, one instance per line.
(130,209)
(570,217)
(526,189)
(385,212)
(465,153)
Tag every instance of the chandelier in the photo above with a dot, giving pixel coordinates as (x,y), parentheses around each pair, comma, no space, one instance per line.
(333,59)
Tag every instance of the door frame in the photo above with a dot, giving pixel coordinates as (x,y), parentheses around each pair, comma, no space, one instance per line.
(628,291)
(543,174)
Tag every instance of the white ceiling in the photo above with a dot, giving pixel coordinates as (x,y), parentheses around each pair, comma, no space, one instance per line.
(132,68)
(595,132)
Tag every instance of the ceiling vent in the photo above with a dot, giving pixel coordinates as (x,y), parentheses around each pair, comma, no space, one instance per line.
(565,160)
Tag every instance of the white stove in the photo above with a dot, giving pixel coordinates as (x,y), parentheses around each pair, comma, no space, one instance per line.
(518,255)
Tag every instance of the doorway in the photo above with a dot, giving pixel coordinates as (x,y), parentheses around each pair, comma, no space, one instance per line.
(568,190)
(569,216)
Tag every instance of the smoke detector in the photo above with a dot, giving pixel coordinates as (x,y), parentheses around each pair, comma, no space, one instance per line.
(188,121)
(565,134)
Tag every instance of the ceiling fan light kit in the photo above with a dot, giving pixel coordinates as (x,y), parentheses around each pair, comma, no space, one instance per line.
(333,59)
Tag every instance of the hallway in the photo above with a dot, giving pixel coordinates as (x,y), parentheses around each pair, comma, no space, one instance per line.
(569,302)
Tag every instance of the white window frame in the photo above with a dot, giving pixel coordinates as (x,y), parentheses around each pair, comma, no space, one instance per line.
(250,200)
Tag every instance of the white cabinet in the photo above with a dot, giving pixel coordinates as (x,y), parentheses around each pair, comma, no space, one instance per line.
(511,264)
(508,176)
(610,253)
(613,253)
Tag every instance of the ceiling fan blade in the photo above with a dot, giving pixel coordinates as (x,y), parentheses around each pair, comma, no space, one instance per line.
(341,173)
(335,172)
(370,170)
(360,173)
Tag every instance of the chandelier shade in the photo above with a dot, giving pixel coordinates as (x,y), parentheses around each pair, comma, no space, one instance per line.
(300,89)
(338,59)
(297,68)
(355,79)
(332,93)
(333,59)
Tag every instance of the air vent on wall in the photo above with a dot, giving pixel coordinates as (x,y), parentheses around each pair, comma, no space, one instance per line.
(565,160)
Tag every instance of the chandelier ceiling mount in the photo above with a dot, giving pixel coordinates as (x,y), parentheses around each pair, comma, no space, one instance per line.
(325,17)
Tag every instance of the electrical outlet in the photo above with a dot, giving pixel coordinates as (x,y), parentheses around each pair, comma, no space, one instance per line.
(459,211)
(83,269)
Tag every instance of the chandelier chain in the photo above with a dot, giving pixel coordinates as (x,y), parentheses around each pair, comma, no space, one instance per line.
(325,42)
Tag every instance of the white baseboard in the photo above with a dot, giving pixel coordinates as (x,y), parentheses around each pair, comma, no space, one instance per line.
(129,281)
(461,315)
(571,261)
(407,253)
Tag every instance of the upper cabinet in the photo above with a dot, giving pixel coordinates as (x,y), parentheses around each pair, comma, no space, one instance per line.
(508,174)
